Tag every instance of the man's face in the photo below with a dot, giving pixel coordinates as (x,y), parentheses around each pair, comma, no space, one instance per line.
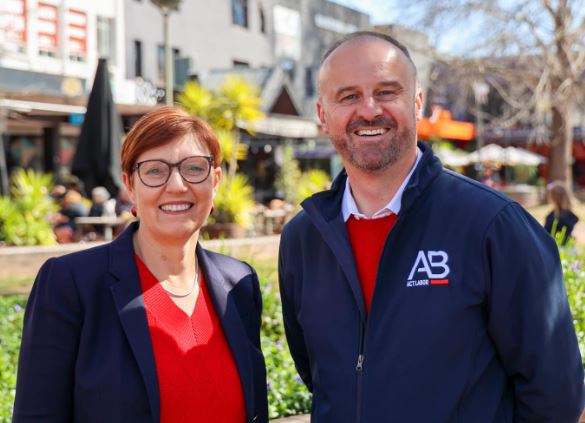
(369,103)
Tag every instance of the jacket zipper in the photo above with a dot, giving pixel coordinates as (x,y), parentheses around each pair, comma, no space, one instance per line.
(359,370)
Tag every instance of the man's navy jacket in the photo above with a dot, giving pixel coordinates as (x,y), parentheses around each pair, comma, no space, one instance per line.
(469,320)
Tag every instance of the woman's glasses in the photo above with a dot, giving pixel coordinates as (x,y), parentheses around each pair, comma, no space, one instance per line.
(156,173)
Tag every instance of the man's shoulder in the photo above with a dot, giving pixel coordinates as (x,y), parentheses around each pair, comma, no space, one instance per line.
(462,185)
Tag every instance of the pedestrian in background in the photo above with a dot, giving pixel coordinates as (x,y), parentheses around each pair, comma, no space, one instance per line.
(561,220)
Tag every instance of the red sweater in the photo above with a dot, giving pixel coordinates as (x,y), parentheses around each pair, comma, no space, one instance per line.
(197,376)
(367,237)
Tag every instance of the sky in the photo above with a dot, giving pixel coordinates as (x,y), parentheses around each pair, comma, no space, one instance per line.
(383,12)
(380,11)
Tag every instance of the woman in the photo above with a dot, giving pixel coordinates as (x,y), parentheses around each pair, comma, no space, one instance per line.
(150,327)
(561,220)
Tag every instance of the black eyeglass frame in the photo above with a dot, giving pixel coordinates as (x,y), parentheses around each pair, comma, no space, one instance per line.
(178,164)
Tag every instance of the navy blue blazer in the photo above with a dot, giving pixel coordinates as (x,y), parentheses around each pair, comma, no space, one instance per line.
(86,353)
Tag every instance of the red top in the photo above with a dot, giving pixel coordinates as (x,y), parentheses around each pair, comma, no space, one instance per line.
(197,376)
(367,237)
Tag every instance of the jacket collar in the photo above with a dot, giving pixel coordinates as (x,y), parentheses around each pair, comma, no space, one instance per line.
(324,210)
(328,203)
(127,294)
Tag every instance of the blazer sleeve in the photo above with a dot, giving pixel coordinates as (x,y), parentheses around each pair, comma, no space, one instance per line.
(530,321)
(52,322)
(292,327)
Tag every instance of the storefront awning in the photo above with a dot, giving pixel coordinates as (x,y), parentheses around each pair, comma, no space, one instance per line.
(25,106)
(441,125)
(283,126)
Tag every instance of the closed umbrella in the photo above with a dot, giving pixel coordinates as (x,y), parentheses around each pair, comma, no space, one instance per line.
(96,161)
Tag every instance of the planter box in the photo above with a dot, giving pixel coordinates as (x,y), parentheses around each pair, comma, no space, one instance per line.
(18,262)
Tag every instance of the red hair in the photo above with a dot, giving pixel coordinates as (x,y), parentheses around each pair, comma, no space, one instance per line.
(162,126)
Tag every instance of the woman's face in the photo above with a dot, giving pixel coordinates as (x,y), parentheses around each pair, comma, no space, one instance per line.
(177,209)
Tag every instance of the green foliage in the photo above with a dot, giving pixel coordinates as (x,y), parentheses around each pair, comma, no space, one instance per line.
(296,185)
(312,181)
(236,100)
(229,146)
(287,395)
(234,202)
(574,274)
(11,315)
(288,177)
(23,216)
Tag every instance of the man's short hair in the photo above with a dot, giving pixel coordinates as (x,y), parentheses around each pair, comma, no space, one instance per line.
(360,34)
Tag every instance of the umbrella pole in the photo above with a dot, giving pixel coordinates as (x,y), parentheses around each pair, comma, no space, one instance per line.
(3,167)
(168,59)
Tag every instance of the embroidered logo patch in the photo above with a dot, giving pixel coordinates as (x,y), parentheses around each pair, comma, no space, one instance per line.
(429,268)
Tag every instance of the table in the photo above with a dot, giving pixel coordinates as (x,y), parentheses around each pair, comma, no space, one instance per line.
(108,222)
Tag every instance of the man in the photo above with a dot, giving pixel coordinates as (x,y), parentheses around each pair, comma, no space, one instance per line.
(411,293)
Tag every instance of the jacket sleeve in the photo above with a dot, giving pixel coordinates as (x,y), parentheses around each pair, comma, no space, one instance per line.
(292,327)
(52,322)
(530,321)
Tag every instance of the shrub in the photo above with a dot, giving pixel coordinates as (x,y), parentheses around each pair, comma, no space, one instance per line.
(11,314)
(234,202)
(574,273)
(287,395)
(23,216)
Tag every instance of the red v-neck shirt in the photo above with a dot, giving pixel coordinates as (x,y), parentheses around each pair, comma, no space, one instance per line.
(367,237)
(197,375)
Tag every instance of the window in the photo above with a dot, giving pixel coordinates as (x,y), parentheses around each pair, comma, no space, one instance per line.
(240,13)
(309,83)
(161,62)
(106,44)
(240,64)
(262,22)
(137,58)
(48,30)
(77,35)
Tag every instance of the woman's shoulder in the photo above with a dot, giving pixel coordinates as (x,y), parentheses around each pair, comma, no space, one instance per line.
(569,217)
(228,265)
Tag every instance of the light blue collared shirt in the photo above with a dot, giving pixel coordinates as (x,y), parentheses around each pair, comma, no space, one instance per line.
(349,207)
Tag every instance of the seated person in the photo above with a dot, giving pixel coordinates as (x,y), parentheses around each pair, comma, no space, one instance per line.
(73,207)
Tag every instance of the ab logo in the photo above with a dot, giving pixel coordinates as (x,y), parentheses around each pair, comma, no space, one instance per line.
(430,267)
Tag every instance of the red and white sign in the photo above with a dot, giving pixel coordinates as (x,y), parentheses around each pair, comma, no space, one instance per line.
(48,27)
(13,24)
(77,30)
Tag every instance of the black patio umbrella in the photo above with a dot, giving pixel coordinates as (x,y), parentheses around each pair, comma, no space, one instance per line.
(97,157)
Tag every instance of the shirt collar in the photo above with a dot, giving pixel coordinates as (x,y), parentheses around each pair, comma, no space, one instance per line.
(349,206)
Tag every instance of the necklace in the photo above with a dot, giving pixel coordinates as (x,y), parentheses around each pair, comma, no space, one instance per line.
(190,291)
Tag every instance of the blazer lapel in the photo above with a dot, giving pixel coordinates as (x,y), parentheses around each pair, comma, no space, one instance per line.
(127,294)
(231,323)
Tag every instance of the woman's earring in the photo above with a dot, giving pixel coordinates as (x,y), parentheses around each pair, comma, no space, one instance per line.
(134,211)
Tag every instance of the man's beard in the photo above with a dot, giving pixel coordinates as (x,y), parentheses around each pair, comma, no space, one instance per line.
(374,156)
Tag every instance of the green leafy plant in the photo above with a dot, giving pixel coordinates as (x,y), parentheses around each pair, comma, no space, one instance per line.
(296,185)
(287,395)
(312,181)
(234,202)
(11,315)
(235,101)
(23,215)
(573,263)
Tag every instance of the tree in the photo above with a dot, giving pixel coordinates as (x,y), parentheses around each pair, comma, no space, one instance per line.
(531,52)
(235,101)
